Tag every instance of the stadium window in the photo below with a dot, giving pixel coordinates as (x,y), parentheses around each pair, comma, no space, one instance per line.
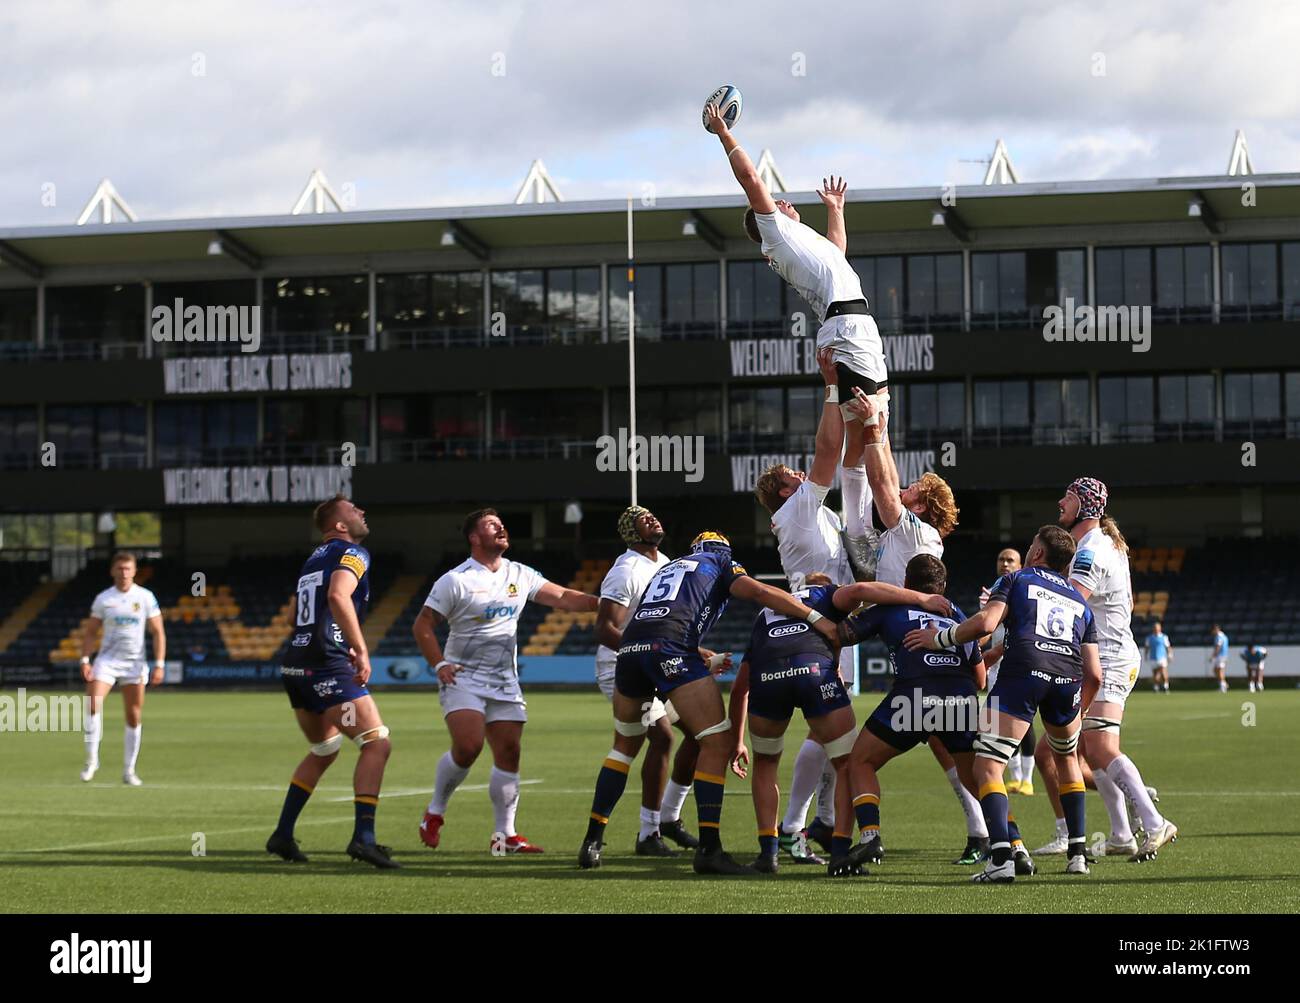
(424,427)
(1291,281)
(214,294)
(1060,412)
(998,289)
(649,303)
(103,436)
(1293,405)
(1124,276)
(1001,413)
(571,429)
(313,429)
(95,321)
(1185,407)
(934,292)
(669,411)
(1184,284)
(137,529)
(423,309)
(756,301)
(882,284)
(1252,405)
(73,531)
(328,313)
(690,300)
(17,319)
(26,532)
(569,318)
(1249,287)
(18,446)
(1126,409)
(216,433)
(933,413)
(757,417)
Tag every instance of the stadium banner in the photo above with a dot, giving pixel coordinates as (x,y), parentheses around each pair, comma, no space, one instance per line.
(44,674)
(746,467)
(218,674)
(251,373)
(274,485)
(904,353)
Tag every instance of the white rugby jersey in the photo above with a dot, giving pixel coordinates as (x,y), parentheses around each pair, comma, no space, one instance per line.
(1103,569)
(623,584)
(808,537)
(482,608)
(816,268)
(911,535)
(124,615)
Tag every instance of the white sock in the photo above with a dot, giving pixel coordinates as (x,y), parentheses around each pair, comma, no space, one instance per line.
(675,794)
(803,784)
(975,827)
(1113,798)
(1014,764)
(649,822)
(857,499)
(1061,828)
(94,731)
(130,747)
(448,777)
(503,789)
(1027,767)
(1127,778)
(826,796)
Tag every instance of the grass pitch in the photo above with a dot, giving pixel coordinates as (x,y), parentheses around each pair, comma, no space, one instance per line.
(218,763)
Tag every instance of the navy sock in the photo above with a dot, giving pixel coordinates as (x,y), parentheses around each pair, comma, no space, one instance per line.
(364,828)
(708,805)
(611,781)
(295,800)
(993,802)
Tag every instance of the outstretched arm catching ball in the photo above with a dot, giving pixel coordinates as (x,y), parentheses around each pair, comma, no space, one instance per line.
(760,199)
(832,195)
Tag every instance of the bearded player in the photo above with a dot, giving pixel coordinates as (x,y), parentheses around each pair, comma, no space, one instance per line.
(478,674)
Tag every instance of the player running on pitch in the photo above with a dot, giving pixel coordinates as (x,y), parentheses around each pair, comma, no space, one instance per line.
(1050,667)
(478,674)
(916,519)
(125,611)
(660,657)
(787,666)
(661,805)
(325,670)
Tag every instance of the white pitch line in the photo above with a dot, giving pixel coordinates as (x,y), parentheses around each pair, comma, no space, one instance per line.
(422,791)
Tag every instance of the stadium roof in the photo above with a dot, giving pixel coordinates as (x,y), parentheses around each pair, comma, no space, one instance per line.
(481,229)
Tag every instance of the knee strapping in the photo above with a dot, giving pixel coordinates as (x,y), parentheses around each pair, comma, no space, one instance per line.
(373,735)
(716,729)
(630,729)
(996,747)
(1064,746)
(327,747)
(1101,724)
(767,746)
(841,746)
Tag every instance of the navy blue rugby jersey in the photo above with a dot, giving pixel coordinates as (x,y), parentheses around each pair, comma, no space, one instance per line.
(683,600)
(317,640)
(1047,623)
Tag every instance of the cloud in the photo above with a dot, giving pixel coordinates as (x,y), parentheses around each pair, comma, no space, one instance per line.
(407,101)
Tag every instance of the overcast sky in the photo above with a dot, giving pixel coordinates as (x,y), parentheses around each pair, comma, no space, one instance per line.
(198,109)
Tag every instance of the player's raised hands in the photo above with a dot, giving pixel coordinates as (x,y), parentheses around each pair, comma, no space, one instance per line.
(921,639)
(832,192)
(717,124)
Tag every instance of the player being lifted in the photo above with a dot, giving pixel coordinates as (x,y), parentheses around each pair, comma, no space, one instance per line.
(478,674)
(916,519)
(786,666)
(660,657)
(1050,667)
(809,541)
(125,611)
(622,586)
(324,671)
(817,269)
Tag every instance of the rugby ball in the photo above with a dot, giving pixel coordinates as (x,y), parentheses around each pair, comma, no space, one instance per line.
(727,98)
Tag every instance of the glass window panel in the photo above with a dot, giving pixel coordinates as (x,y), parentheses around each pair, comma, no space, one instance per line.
(1169,277)
(1109,265)
(1173,399)
(1071,277)
(678,296)
(1263,274)
(988,404)
(18,314)
(1047,403)
(920,285)
(1234,260)
(1265,393)
(1200,398)
(948,284)
(1198,279)
(952,405)
(586,288)
(983,283)
(1236,396)
(1011,282)
(888,308)
(560,310)
(1291,281)
(1137,276)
